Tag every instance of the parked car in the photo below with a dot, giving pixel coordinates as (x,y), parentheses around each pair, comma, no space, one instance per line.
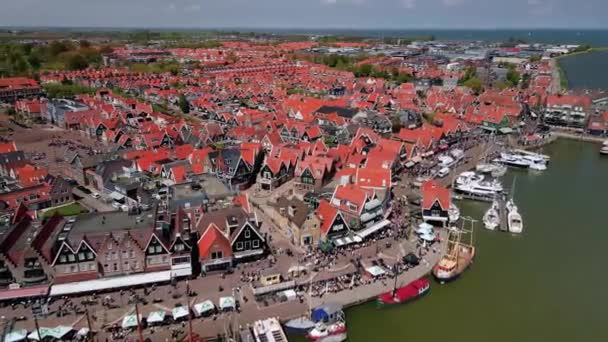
(95,195)
(443,172)
(116,205)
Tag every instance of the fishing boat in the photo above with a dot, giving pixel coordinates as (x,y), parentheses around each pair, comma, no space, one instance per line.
(491,219)
(514,220)
(324,331)
(604,149)
(404,294)
(453,213)
(459,255)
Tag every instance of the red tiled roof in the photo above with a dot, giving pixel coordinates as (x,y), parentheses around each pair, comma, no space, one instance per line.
(433,192)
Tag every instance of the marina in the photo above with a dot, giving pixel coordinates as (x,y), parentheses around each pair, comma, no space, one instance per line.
(546,216)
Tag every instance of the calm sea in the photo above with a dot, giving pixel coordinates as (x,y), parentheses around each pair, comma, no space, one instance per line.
(593,37)
(586,71)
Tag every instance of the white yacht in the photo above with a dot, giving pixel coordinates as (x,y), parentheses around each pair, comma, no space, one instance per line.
(471,183)
(491,219)
(512,160)
(543,157)
(514,219)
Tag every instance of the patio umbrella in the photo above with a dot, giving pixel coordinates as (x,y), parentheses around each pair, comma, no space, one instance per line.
(227,303)
(15,335)
(129,321)
(203,307)
(180,312)
(156,317)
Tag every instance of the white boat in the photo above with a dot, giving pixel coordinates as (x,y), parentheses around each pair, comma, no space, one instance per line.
(322,331)
(473,184)
(512,160)
(604,150)
(538,167)
(605,143)
(491,219)
(514,219)
(453,213)
(499,171)
(484,168)
(544,157)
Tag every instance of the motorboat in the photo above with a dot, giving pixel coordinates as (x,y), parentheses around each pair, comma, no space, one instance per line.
(300,325)
(404,294)
(514,220)
(534,155)
(512,160)
(474,184)
(491,219)
(453,213)
(499,171)
(323,330)
(604,149)
(496,170)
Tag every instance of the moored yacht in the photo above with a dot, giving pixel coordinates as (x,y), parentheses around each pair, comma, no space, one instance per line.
(514,219)
(491,219)
(473,184)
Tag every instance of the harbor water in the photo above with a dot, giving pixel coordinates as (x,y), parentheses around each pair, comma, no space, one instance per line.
(547,284)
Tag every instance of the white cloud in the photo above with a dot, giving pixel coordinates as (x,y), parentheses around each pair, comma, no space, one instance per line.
(329,2)
(409,4)
(172,7)
(534,2)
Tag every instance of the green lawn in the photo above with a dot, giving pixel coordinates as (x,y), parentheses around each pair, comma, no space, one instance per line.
(66,210)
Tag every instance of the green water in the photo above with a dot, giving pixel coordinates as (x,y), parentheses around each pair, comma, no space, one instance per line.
(549,284)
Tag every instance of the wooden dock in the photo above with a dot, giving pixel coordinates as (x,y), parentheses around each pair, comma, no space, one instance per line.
(504,227)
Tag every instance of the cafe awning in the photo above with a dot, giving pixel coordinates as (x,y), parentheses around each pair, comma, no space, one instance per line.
(506,130)
(347,240)
(274,287)
(110,283)
(376,227)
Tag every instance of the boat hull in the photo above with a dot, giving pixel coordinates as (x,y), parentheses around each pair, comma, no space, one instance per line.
(407,293)
(447,278)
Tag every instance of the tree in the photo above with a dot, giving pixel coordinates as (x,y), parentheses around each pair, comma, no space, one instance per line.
(84,44)
(513,77)
(77,62)
(183,104)
(475,84)
(106,49)
(535,58)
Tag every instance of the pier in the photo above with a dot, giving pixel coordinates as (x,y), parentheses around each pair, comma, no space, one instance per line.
(502,204)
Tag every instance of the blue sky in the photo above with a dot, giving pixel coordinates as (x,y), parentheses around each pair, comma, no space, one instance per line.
(353,14)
